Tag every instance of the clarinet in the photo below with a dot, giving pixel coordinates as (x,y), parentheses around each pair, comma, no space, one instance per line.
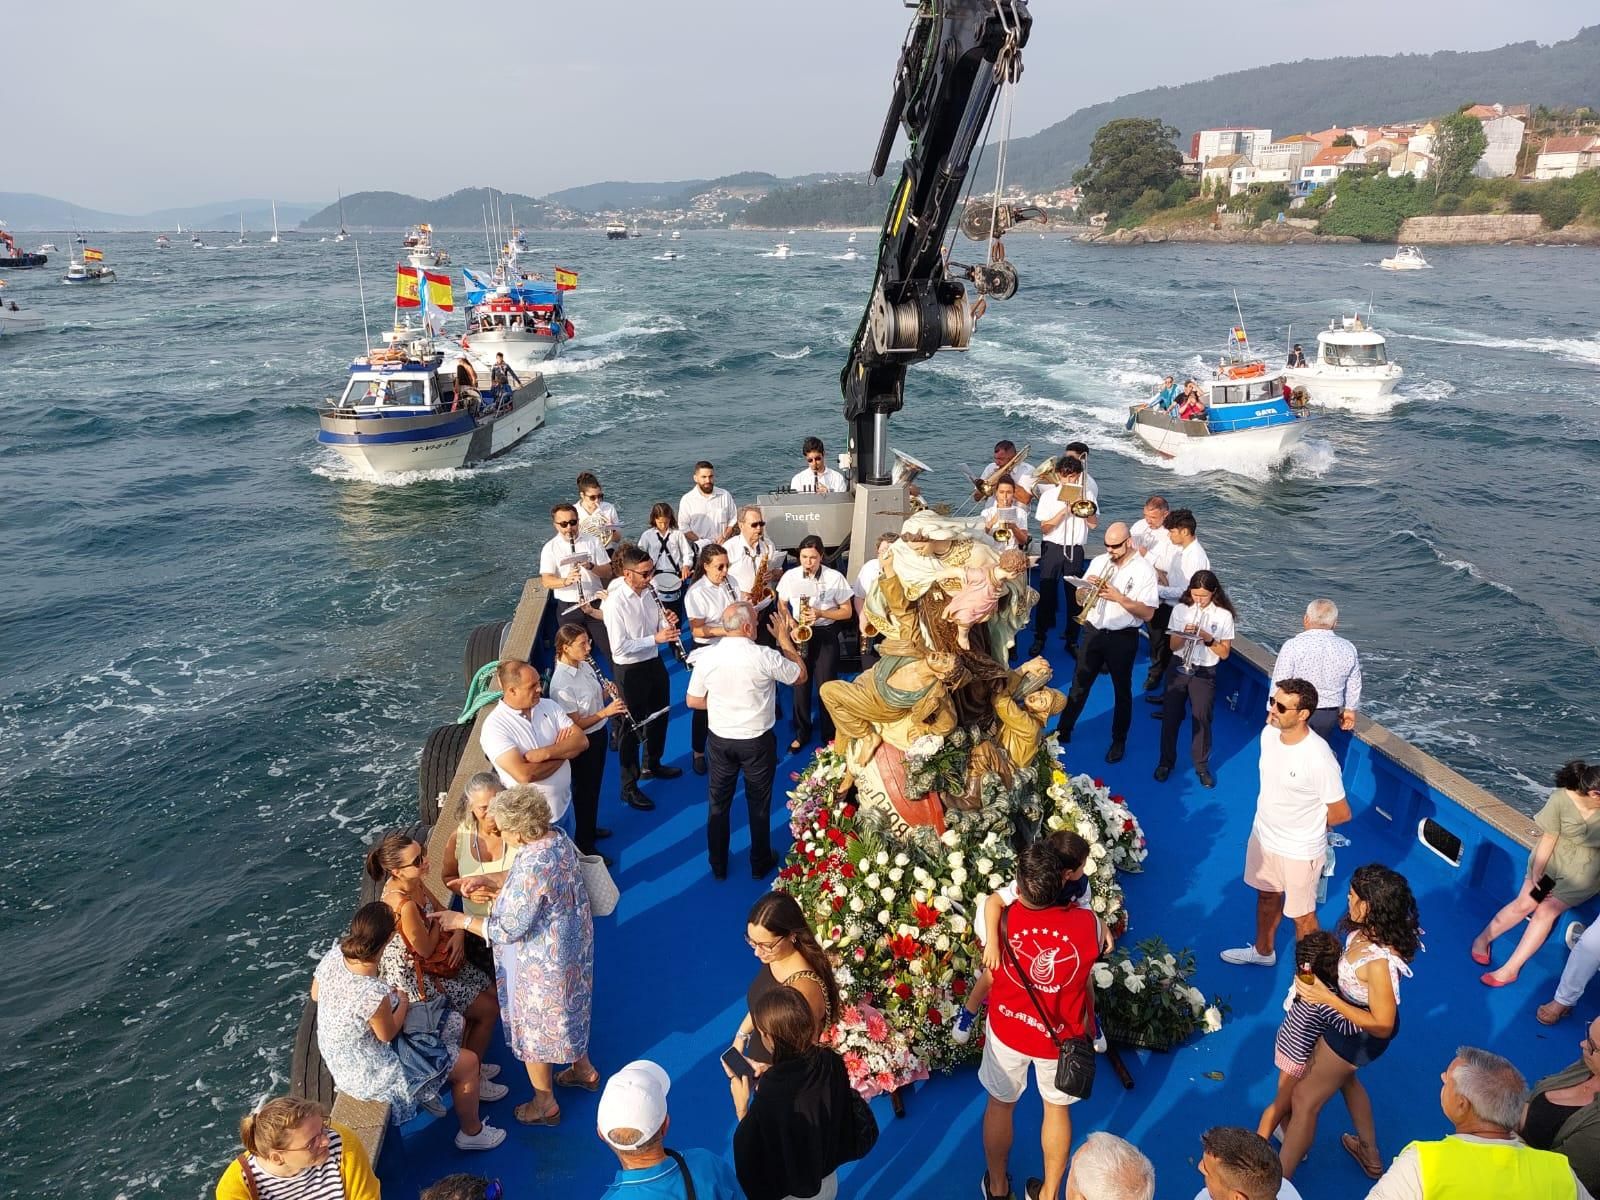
(612,692)
(668,623)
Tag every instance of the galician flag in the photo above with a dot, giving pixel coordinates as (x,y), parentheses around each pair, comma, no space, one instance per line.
(440,295)
(566,280)
(406,293)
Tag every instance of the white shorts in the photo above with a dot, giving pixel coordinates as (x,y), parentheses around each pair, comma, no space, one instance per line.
(1004,1074)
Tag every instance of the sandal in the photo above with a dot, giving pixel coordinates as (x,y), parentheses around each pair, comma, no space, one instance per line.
(1357,1149)
(568,1078)
(532,1114)
(795,747)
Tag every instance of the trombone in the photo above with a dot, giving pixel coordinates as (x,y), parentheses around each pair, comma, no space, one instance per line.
(1090,594)
(983,489)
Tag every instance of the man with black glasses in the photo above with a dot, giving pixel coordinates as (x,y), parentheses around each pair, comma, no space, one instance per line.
(1301,798)
(818,475)
(1125,598)
(575,567)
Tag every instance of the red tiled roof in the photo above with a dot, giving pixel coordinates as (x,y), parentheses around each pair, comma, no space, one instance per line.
(1571,145)
(1333,156)
(1224,160)
(1482,111)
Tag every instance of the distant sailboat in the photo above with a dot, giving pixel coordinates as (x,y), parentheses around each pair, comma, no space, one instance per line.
(243,241)
(273,240)
(343,235)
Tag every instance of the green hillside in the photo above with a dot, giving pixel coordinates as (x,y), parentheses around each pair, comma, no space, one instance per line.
(461,210)
(1302,96)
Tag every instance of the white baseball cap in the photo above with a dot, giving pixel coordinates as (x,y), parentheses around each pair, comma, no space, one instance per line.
(634,1098)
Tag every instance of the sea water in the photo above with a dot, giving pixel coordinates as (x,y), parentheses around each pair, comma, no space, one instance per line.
(223,648)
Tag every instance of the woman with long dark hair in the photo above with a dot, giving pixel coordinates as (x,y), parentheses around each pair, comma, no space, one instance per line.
(1382,935)
(790,957)
(1200,632)
(1563,871)
(802,1120)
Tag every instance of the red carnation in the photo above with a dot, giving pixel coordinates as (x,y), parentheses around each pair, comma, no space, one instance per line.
(848,870)
(934,1018)
(958,988)
(848,811)
(903,990)
(836,837)
(822,818)
(838,903)
(1099,783)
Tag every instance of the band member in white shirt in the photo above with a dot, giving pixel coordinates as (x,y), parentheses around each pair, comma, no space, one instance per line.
(579,691)
(672,555)
(575,567)
(1080,451)
(707,513)
(818,475)
(734,681)
(1150,540)
(1185,555)
(639,627)
(1021,473)
(1201,636)
(596,516)
(709,593)
(745,552)
(830,599)
(1063,538)
(865,579)
(1007,510)
(531,741)
(1111,635)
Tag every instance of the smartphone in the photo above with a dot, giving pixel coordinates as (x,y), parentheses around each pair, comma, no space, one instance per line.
(738,1063)
(1543,888)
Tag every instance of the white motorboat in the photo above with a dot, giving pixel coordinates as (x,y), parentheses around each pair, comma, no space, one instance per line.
(49,248)
(668,256)
(781,250)
(15,319)
(163,242)
(196,241)
(1351,368)
(850,255)
(410,407)
(616,231)
(1406,258)
(90,268)
(420,250)
(677,235)
(851,238)
(514,314)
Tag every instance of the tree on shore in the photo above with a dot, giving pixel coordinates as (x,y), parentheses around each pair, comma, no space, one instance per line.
(1457,147)
(1128,157)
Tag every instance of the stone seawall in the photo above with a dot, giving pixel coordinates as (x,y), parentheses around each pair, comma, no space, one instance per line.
(1472,231)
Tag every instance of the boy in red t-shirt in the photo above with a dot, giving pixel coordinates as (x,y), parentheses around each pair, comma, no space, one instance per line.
(1055,947)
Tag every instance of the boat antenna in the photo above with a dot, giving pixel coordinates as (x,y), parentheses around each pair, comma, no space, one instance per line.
(361,288)
(1240,312)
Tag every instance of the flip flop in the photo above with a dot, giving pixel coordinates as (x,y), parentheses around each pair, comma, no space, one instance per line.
(568,1079)
(1357,1150)
(526,1114)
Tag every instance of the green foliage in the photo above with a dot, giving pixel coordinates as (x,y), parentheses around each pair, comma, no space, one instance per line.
(1344,139)
(1447,204)
(1128,158)
(1320,195)
(1373,207)
(1179,192)
(1272,200)
(841,202)
(1476,205)
(1526,200)
(1325,92)
(1558,208)
(1457,148)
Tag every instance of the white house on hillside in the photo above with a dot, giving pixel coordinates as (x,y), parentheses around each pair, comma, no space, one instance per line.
(1505,145)
(1328,166)
(1564,157)
(1214,143)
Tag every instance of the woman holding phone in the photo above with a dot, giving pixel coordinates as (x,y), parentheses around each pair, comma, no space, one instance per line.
(1563,871)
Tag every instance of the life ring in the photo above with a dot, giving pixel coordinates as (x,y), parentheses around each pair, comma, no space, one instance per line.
(1246,370)
(569,329)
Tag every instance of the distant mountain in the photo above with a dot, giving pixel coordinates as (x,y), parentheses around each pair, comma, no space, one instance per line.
(837,202)
(1302,96)
(461,210)
(615,195)
(25,210)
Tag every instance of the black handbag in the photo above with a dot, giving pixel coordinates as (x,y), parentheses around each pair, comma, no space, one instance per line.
(1075,1061)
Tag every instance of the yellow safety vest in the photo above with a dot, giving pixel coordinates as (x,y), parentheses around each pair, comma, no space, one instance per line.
(1453,1169)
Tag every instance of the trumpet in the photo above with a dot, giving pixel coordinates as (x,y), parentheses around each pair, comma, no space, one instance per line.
(1002,534)
(1083,509)
(802,622)
(1088,596)
(1191,639)
(983,489)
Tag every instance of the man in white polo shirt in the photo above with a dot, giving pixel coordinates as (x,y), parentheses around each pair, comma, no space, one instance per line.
(1302,797)
(575,567)
(531,741)
(706,513)
(734,680)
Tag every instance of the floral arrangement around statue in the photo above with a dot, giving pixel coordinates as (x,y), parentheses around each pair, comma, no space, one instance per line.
(1146,999)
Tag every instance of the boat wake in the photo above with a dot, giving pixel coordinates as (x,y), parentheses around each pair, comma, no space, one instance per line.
(803,352)
(341,471)
(1463,565)
(572,364)
(1578,350)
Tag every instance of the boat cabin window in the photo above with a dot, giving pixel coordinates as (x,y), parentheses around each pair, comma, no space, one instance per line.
(1353,356)
(385,393)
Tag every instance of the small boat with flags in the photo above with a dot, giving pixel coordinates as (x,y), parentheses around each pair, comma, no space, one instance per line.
(1351,367)
(517,314)
(420,250)
(90,268)
(1247,410)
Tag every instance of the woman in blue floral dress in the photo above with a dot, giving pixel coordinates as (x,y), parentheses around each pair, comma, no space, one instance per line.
(543,939)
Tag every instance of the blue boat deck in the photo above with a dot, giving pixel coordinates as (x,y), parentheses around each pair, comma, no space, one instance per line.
(672,968)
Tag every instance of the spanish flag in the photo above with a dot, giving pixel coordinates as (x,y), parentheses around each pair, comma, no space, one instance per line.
(406,293)
(440,295)
(1238,333)
(565,280)
(93,256)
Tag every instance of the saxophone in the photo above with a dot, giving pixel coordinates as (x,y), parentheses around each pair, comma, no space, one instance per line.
(760,586)
(803,621)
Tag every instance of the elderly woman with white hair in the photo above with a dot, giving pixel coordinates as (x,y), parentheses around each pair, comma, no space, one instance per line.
(542,933)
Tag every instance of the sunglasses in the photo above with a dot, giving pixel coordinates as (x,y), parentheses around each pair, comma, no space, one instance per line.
(595,496)
(565,524)
(813,458)
(1281,708)
(758,524)
(1116,545)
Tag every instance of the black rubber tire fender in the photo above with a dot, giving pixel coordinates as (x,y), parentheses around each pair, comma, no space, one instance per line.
(441,755)
(483,646)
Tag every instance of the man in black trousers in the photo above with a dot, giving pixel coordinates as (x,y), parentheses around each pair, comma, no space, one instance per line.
(734,680)
(638,626)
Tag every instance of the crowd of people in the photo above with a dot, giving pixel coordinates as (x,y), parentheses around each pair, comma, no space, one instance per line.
(410,996)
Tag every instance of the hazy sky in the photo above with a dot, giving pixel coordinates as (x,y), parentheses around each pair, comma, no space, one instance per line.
(131,105)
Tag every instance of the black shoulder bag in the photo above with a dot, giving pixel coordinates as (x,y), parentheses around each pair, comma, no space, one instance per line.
(1075,1062)
(688,1179)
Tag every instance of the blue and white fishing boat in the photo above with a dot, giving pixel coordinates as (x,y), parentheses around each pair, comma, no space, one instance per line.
(90,268)
(410,407)
(515,314)
(1247,410)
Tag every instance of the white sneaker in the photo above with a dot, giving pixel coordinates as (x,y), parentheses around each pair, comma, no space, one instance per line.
(488,1070)
(486,1138)
(432,1105)
(489,1091)
(1248,956)
(1574,932)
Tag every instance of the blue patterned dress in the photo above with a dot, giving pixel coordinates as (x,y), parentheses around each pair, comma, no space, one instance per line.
(543,939)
